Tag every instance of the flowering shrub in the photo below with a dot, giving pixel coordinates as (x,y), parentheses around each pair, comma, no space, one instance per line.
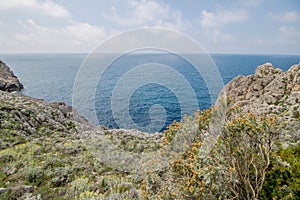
(243,164)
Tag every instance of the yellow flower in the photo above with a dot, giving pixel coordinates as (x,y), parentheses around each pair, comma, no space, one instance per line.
(195,172)
(194,149)
(187,165)
(191,189)
(231,169)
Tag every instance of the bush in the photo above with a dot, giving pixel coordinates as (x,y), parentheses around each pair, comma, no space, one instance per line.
(283,179)
(243,164)
(34,175)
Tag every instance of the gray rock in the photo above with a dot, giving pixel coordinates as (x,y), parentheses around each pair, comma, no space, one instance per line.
(268,86)
(258,86)
(8,81)
(2,190)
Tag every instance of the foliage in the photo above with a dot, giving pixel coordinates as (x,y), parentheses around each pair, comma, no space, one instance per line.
(283,179)
(250,160)
(243,164)
(57,168)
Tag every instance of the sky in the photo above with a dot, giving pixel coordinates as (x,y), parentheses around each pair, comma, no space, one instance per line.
(77,26)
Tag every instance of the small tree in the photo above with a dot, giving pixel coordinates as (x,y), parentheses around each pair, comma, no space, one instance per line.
(235,168)
(244,150)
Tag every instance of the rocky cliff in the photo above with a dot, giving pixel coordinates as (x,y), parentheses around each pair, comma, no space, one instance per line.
(8,81)
(269,91)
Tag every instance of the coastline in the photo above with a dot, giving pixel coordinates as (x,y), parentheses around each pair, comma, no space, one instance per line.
(47,139)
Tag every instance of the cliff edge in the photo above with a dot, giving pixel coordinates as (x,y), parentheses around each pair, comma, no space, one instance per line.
(8,81)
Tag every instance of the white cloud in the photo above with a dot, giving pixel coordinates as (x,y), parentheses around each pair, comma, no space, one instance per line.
(75,37)
(286,35)
(222,37)
(257,41)
(145,13)
(290,16)
(13,4)
(53,9)
(48,26)
(287,30)
(46,7)
(85,33)
(222,17)
(216,36)
(32,34)
(141,13)
(213,22)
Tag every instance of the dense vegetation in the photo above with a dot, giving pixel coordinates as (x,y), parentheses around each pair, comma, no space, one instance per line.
(253,158)
(42,155)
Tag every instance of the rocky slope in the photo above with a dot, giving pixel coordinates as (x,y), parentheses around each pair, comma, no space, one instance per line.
(8,81)
(23,118)
(44,153)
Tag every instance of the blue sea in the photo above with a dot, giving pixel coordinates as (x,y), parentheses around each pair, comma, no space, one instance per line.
(122,95)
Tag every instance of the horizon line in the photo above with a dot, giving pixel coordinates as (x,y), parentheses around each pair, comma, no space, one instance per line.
(210,53)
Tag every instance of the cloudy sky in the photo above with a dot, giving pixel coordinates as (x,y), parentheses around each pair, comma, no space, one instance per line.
(240,26)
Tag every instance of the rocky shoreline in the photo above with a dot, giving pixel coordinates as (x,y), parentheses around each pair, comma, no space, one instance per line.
(267,92)
(43,151)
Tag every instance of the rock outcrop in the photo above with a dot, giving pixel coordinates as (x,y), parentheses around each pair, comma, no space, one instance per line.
(268,91)
(8,81)
(26,118)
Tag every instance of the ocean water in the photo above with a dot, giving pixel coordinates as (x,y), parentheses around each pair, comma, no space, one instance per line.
(52,77)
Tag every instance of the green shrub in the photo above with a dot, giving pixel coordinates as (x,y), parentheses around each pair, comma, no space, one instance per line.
(34,175)
(283,179)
